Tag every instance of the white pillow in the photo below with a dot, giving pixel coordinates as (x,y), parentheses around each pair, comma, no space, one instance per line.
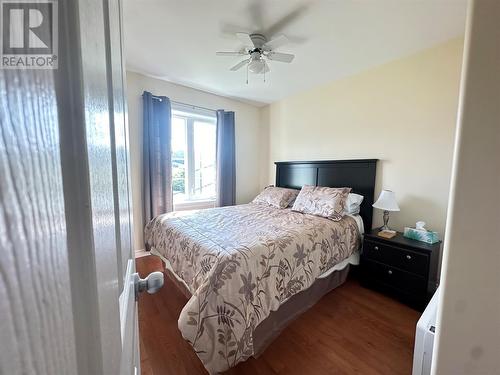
(353,203)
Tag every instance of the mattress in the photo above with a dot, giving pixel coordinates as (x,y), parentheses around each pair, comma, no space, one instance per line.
(242,263)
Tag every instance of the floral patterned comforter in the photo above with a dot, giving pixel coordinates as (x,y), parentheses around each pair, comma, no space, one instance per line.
(240,263)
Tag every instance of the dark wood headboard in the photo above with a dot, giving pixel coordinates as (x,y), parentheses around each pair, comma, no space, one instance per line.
(356,174)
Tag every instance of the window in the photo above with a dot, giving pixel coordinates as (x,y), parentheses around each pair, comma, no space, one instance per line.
(193,154)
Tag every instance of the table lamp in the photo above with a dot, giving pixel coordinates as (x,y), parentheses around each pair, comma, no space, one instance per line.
(387,202)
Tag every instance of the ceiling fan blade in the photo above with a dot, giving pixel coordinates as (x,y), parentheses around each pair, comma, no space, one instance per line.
(245,39)
(288,19)
(239,53)
(256,12)
(240,65)
(281,57)
(277,42)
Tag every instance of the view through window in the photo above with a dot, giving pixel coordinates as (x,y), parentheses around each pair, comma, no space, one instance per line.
(193,154)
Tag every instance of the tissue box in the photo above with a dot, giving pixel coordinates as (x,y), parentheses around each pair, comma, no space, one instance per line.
(421,235)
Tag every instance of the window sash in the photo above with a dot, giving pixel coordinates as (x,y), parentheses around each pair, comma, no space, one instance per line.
(189,155)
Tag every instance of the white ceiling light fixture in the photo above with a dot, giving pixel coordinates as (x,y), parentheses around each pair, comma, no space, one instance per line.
(259,50)
(257,65)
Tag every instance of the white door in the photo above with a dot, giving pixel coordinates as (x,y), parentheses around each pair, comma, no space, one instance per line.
(67,283)
(130,361)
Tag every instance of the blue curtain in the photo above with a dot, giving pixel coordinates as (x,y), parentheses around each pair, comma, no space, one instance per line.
(157,162)
(226,161)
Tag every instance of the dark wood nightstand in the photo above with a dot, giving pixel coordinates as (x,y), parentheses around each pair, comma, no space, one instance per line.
(403,268)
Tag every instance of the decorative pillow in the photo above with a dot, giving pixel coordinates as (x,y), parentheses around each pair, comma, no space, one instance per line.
(276,196)
(322,201)
(353,203)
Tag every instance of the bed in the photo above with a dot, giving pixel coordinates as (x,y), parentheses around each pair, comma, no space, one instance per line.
(249,270)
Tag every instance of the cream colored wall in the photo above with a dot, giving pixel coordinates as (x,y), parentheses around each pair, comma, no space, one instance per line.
(402,113)
(248,137)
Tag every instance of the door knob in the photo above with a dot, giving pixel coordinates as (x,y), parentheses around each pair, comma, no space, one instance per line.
(151,284)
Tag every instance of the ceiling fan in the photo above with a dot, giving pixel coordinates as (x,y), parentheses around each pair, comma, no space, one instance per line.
(259,50)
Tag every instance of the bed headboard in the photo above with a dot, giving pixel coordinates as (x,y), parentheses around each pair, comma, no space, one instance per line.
(356,174)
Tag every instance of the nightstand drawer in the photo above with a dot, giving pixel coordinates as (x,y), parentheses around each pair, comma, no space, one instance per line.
(394,277)
(404,259)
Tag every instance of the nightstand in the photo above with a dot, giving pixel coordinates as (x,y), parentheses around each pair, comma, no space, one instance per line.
(403,268)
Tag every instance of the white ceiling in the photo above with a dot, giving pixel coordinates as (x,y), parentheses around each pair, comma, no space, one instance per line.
(176,40)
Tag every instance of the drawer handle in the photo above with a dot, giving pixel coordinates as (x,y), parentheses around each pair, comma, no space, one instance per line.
(375,248)
(408,257)
(389,272)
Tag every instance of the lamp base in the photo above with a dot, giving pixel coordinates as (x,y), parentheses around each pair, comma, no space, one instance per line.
(387,234)
(386,221)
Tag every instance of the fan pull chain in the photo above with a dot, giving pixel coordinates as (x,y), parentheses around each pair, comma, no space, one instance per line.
(247,72)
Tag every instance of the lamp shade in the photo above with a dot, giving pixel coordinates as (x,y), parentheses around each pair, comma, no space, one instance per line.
(387,201)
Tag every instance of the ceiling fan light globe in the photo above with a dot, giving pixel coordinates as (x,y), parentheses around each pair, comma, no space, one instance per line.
(257,66)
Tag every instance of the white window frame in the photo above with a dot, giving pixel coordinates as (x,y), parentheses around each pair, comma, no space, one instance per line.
(190,115)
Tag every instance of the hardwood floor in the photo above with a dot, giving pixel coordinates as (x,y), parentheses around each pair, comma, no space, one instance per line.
(352,330)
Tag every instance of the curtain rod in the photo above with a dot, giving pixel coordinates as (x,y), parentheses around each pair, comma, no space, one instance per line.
(186,105)
(193,106)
